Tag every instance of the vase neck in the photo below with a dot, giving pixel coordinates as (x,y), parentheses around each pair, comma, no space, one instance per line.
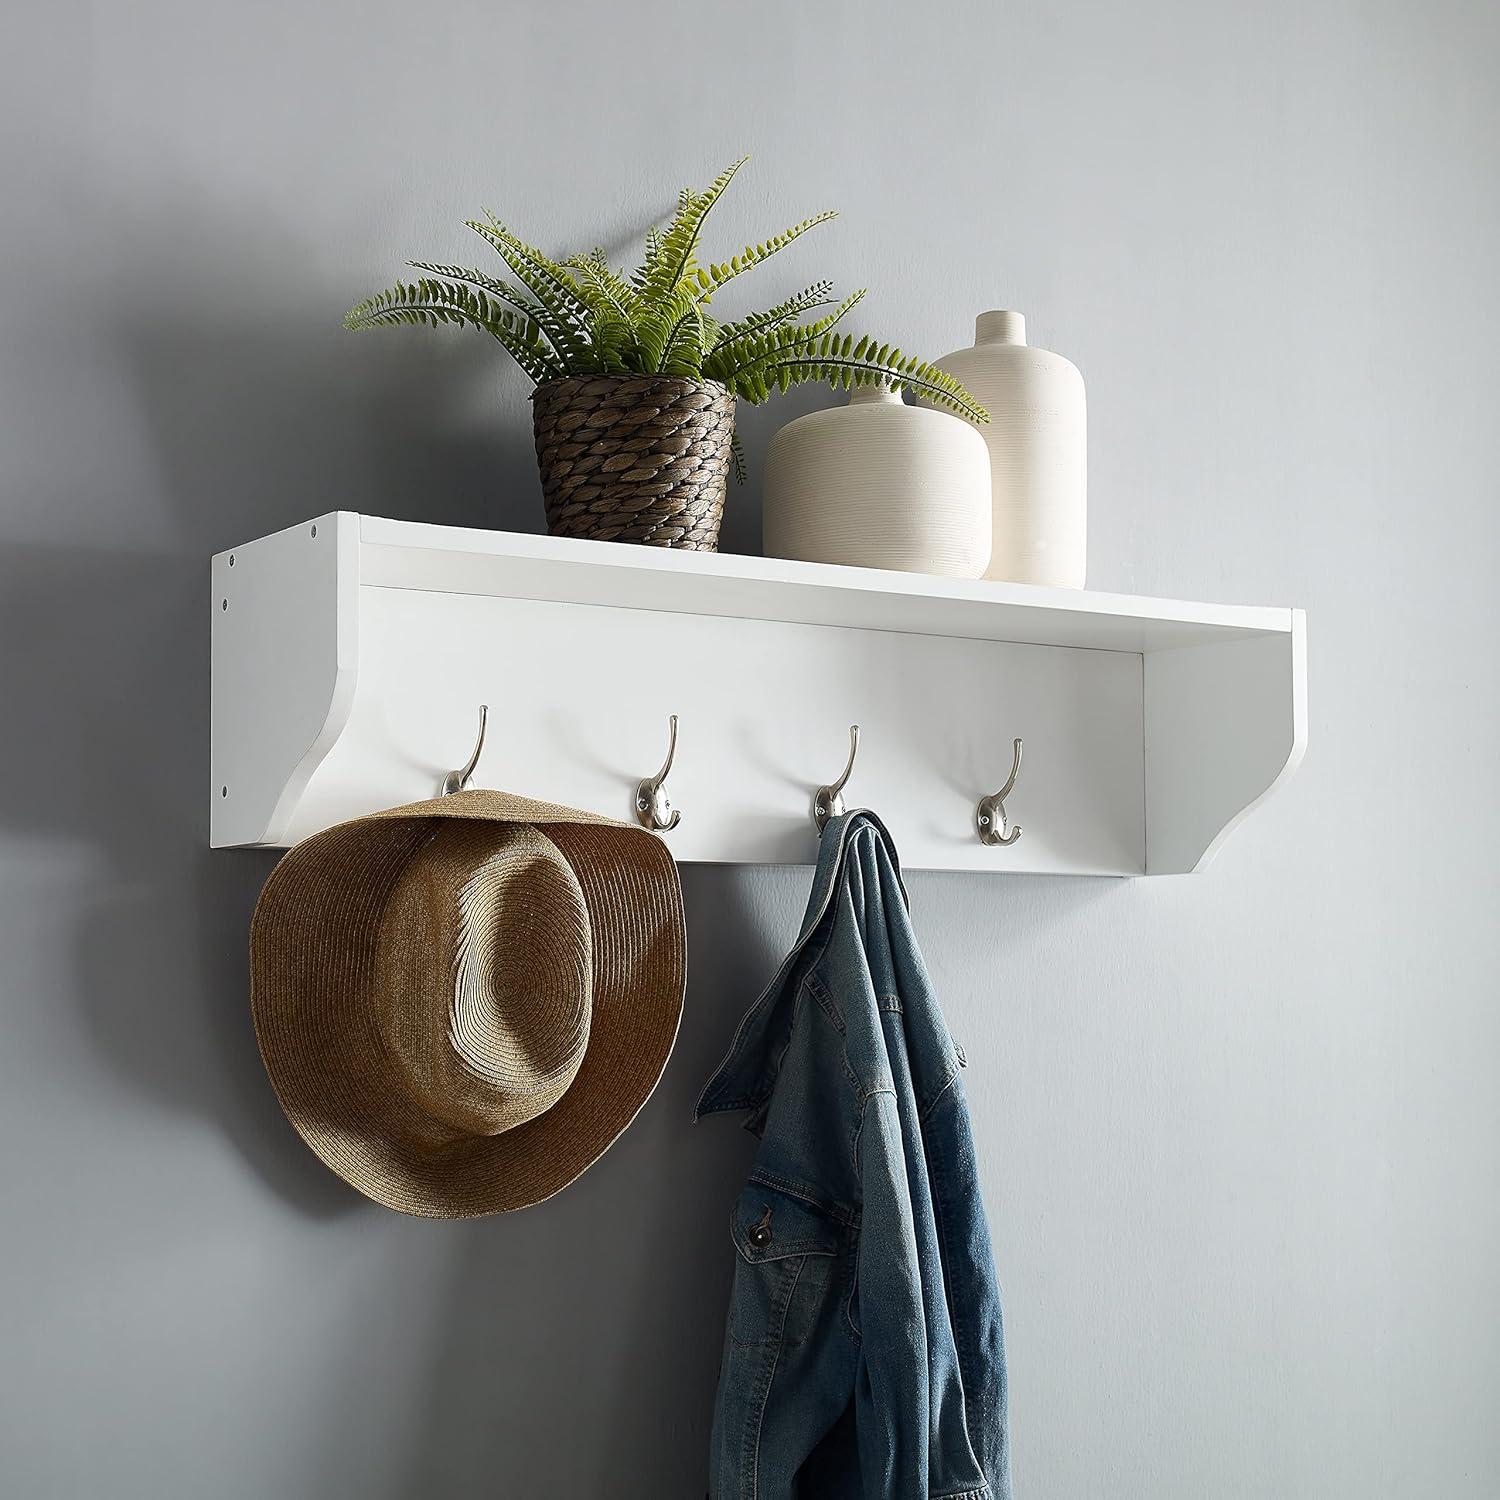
(875,395)
(1000,327)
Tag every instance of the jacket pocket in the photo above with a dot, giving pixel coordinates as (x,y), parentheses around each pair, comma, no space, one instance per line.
(785,1251)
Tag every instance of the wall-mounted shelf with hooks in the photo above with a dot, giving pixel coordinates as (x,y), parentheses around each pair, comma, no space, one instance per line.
(351,654)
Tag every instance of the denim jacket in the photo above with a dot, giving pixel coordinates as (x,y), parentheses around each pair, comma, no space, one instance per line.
(863,1356)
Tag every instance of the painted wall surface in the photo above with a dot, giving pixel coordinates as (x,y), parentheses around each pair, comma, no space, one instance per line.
(1240,1132)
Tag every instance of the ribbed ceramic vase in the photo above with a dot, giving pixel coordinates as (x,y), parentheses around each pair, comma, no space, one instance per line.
(880,484)
(1037,438)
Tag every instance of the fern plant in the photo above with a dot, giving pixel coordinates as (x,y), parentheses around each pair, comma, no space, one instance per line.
(582,316)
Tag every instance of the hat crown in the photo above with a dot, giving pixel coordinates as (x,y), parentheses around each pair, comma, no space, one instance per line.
(483,971)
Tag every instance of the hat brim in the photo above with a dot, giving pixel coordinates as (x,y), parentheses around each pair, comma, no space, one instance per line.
(312,975)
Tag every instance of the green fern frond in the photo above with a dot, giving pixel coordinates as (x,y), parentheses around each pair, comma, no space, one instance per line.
(675,249)
(647,268)
(775,361)
(713,277)
(615,347)
(748,358)
(840,363)
(430,303)
(594,272)
(688,343)
(642,276)
(831,320)
(817,295)
(688,338)
(503,291)
(614,312)
(667,333)
(561,313)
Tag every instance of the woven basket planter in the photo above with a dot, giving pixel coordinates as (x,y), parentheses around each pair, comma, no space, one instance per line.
(634,458)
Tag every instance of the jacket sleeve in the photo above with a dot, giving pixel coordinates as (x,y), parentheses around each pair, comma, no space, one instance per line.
(891,1394)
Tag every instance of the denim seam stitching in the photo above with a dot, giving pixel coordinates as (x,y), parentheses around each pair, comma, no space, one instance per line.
(803,1247)
(768,1379)
(763,1000)
(774,1070)
(761,1177)
(859,1129)
(854,1327)
(824,996)
(759,1097)
(947,1083)
(938,1171)
(750,1441)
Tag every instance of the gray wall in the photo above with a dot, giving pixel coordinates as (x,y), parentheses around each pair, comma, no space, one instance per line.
(1241,1135)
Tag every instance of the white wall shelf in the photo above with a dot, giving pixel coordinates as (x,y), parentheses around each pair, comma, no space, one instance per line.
(350,655)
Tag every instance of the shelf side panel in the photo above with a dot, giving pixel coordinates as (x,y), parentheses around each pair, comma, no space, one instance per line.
(1225,725)
(285,660)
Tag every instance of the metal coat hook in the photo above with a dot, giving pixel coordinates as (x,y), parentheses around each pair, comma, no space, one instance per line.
(653,806)
(456,781)
(829,800)
(989,816)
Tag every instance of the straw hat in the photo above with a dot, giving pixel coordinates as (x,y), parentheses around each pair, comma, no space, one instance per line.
(463,1002)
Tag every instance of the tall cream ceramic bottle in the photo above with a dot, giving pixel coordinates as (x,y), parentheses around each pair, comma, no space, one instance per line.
(1037,439)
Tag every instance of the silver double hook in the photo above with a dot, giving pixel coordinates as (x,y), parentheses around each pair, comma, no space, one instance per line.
(989,816)
(456,781)
(828,801)
(653,806)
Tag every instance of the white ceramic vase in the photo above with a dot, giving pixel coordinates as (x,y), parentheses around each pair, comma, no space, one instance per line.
(880,484)
(1037,438)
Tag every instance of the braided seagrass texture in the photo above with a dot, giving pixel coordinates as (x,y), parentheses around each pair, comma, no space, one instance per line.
(634,458)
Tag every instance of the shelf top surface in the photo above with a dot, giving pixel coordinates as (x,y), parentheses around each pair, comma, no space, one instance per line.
(451,559)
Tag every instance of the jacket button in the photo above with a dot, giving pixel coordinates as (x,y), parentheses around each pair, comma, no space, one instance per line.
(760,1232)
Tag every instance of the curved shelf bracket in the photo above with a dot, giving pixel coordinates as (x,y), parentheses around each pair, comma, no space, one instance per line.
(1225,725)
(285,613)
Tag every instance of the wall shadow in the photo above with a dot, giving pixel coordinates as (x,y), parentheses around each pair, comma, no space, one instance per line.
(108,708)
(607,1301)
(243,413)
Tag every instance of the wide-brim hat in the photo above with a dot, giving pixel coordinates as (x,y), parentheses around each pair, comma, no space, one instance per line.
(462,1003)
